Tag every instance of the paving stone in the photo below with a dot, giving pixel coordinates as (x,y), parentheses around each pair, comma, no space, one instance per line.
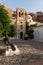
(28,54)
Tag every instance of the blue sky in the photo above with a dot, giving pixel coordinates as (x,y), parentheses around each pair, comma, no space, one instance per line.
(28,5)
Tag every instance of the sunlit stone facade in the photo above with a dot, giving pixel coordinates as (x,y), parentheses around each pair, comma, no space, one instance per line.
(18,19)
(20,23)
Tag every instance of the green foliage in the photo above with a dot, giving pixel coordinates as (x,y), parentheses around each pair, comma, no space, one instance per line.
(4,20)
(29,31)
(5,26)
(35,25)
(1,33)
(27,27)
(1,26)
(12,31)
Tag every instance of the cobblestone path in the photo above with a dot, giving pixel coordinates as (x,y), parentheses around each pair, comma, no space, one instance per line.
(30,52)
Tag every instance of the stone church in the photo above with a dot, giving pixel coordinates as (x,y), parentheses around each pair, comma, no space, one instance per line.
(20,23)
(20,16)
(18,19)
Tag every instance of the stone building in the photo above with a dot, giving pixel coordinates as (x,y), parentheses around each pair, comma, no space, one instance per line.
(18,19)
(20,23)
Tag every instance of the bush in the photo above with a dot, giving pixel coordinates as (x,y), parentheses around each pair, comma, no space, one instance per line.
(30,33)
(35,25)
(1,33)
(12,31)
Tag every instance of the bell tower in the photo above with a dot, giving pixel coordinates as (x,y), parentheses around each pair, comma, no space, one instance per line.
(20,23)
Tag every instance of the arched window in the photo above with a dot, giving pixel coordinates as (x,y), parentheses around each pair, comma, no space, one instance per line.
(22,14)
(14,15)
(19,14)
(21,35)
(21,22)
(21,26)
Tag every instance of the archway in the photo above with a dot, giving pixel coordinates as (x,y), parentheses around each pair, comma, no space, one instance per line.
(21,35)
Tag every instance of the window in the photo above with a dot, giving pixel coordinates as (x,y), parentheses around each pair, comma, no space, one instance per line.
(22,14)
(14,15)
(21,26)
(19,14)
(21,22)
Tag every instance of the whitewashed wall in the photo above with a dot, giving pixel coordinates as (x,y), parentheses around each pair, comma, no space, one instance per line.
(38,34)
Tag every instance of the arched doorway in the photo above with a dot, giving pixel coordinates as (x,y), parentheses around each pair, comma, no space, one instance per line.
(21,35)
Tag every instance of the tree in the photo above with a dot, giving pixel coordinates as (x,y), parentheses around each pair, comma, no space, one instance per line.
(1,34)
(12,31)
(4,20)
(27,27)
(5,27)
(29,31)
